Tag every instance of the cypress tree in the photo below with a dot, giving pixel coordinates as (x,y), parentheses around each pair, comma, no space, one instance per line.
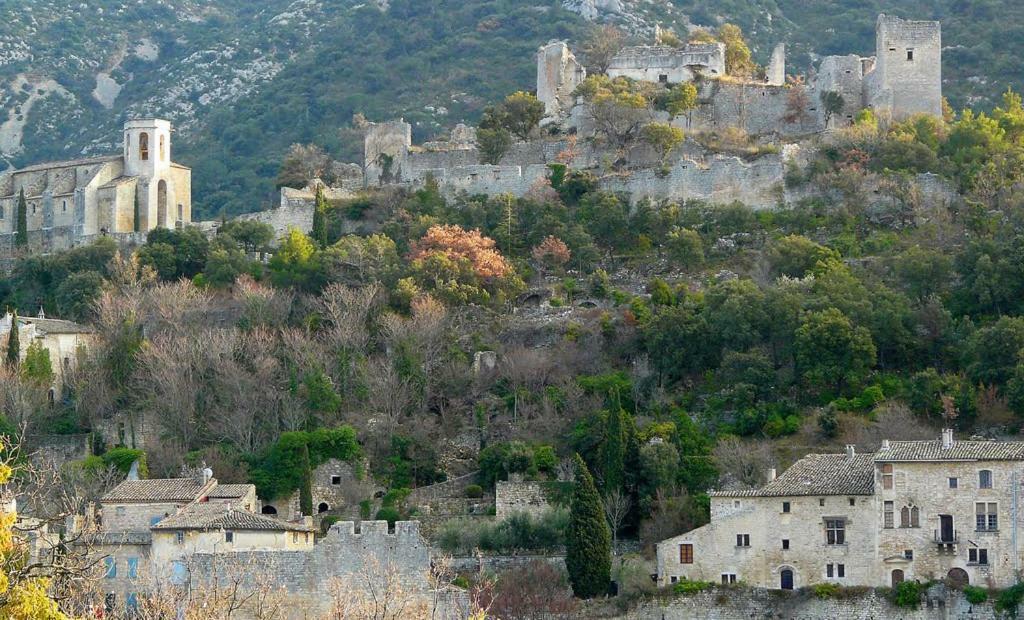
(21,234)
(13,344)
(588,548)
(136,226)
(306,490)
(319,232)
(614,451)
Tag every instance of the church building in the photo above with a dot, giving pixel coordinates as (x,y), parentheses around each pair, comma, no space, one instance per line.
(73,202)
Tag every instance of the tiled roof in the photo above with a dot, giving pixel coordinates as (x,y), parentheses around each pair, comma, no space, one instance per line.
(85,161)
(818,474)
(220,517)
(160,490)
(56,326)
(230,491)
(959,451)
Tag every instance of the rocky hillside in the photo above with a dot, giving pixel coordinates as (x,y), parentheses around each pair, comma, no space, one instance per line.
(243,79)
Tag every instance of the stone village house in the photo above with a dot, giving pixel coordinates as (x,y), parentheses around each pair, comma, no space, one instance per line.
(913,510)
(63,341)
(188,532)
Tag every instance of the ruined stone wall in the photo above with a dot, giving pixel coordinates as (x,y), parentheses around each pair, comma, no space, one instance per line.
(518,496)
(722,180)
(386,151)
(758,109)
(668,64)
(844,75)
(558,75)
(734,603)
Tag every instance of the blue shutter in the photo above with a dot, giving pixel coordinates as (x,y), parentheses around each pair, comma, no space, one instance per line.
(133,568)
(179,574)
(131,602)
(111,568)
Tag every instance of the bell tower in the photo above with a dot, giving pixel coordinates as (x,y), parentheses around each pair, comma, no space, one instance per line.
(147,148)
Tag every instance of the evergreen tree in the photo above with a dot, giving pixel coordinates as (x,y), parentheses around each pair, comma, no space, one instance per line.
(13,344)
(614,451)
(37,366)
(306,490)
(588,556)
(136,226)
(319,232)
(21,234)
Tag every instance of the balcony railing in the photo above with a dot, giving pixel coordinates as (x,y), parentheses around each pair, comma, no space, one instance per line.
(947,538)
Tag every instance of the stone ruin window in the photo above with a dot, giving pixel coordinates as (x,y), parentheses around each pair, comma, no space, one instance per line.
(663,78)
(33,208)
(144,146)
(64,206)
(910,54)
(1,212)
(322,508)
(335,480)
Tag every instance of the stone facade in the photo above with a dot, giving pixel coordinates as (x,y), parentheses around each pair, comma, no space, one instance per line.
(70,203)
(63,341)
(925,510)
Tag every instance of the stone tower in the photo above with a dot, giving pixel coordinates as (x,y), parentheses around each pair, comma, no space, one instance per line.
(558,75)
(907,76)
(147,156)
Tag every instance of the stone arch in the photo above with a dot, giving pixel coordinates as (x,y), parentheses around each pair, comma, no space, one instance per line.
(268,510)
(897,577)
(957,578)
(161,203)
(322,508)
(144,146)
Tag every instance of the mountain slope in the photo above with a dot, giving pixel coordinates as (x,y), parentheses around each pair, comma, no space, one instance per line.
(244,79)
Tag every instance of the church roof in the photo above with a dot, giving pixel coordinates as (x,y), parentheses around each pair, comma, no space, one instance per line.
(56,326)
(85,161)
(818,474)
(118,181)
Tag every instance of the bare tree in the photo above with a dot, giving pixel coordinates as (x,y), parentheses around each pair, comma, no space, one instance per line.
(601,45)
(744,462)
(616,505)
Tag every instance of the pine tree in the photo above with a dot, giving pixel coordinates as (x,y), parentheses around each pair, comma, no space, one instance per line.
(319,232)
(306,490)
(21,234)
(588,556)
(614,451)
(13,344)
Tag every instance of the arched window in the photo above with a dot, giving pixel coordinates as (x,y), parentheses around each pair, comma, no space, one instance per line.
(322,508)
(269,510)
(905,517)
(144,146)
(985,479)
(163,153)
(915,517)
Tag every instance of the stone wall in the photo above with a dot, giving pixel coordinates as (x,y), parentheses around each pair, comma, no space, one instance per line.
(59,449)
(516,495)
(736,603)
(758,109)
(908,67)
(345,558)
(495,564)
(558,75)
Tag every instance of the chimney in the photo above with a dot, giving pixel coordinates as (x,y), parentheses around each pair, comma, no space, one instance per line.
(947,438)
(885,444)
(771,474)
(851,451)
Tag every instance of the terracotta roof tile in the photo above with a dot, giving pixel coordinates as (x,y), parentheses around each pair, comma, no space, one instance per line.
(818,474)
(220,517)
(159,490)
(959,451)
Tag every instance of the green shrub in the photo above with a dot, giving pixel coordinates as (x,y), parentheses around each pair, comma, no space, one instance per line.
(365,507)
(519,532)
(908,594)
(388,514)
(474,491)
(686,588)
(975,595)
(461,581)
(122,459)
(282,469)
(826,590)
(1010,599)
